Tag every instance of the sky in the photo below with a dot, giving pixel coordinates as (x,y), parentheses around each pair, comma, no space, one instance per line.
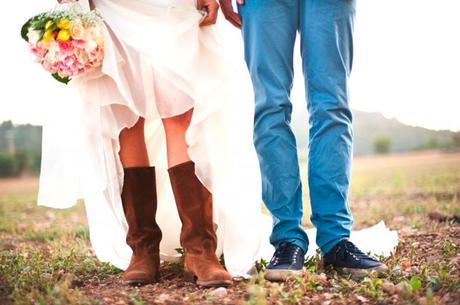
(406,64)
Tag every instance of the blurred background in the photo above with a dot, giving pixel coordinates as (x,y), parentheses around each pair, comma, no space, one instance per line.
(404,85)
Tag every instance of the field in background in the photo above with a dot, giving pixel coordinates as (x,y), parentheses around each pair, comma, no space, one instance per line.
(45,256)
(411,184)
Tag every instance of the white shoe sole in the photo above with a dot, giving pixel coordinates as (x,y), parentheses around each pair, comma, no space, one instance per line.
(275,275)
(359,273)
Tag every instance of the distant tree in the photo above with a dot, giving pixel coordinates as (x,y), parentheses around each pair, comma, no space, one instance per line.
(35,162)
(20,149)
(8,166)
(5,131)
(431,143)
(382,145)
(7,125)
(456,140)
(22,161)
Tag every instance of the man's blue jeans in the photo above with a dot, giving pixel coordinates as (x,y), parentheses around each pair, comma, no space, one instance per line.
(326,32)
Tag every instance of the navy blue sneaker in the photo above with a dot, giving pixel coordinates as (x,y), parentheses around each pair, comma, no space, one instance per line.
(287,261)
(348,259)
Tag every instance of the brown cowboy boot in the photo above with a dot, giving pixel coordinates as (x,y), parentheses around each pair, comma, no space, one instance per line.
(198,237)
(144,235)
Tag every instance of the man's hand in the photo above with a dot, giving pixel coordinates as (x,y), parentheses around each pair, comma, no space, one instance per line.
(211,7)
(230,14)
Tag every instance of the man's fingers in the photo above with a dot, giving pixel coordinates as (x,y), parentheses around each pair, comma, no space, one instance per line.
(241,2)
(234,19)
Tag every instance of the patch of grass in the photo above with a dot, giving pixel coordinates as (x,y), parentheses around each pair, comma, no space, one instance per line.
(33,273)
(257,291)
(44,251)
(46,257)
(133,298)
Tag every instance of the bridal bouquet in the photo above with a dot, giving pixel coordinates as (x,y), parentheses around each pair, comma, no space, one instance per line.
(66,41)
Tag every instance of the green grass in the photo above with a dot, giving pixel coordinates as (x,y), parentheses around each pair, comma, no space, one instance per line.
(405,185)
(46,257)
(44,252)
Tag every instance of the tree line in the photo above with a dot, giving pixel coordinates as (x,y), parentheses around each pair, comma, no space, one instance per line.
(20,149)
(384,145)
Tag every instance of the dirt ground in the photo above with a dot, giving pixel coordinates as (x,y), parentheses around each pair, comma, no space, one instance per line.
(46,258)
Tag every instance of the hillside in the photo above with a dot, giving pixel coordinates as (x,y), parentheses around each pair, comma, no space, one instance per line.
(23,142)
(369,126)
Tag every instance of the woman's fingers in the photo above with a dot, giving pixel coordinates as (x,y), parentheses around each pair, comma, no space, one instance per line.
(211,7)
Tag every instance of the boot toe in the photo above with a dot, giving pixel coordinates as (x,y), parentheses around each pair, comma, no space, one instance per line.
(141,272)
(222,275)
(217,278)
(138,277)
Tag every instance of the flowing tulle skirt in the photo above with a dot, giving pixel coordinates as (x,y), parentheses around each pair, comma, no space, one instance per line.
(159,63)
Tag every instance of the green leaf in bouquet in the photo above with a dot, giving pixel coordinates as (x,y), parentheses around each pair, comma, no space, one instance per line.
(64,80)
(51,24)
(35,23)
(40,23)
(25,29)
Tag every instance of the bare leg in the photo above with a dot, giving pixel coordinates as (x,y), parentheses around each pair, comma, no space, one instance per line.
(139,201)
(133,151)
(175,129)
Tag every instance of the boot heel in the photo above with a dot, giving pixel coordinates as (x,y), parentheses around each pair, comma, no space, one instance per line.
(190,277)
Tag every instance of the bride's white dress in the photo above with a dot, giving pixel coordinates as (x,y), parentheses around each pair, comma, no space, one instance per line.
(159,63)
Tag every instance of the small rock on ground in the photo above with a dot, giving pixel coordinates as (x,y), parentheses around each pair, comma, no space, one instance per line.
(219,292)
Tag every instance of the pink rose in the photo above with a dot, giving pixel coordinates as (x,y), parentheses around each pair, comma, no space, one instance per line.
(38,51)
(49,66)
(69,61)
(81,55)
(96,56)
(78,44)
(66,46)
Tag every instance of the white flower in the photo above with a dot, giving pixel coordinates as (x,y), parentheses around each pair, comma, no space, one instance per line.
(77,31)
(53,51)
(90,46)
(33,36)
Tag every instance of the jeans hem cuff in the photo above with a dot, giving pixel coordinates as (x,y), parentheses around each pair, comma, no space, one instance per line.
(327,247)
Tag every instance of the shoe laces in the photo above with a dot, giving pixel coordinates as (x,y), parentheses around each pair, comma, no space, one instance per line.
(286,254)
(353,251)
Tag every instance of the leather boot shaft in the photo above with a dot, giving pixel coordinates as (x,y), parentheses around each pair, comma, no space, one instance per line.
(144,235)
(198,236)
(194,204)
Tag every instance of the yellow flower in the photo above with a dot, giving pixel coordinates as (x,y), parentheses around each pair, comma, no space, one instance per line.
(64,35)
(48,36)
(64,24)
(49,24)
